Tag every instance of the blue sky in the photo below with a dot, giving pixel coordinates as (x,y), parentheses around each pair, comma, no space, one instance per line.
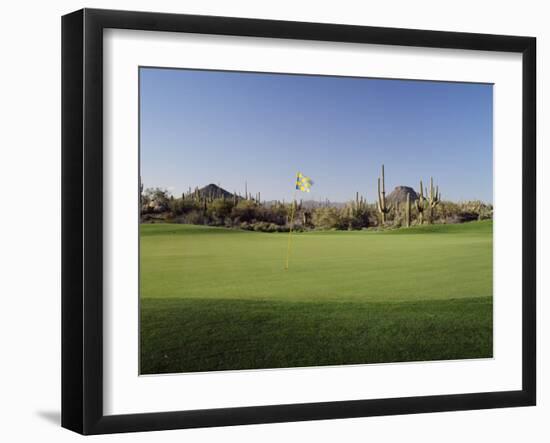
(199,127)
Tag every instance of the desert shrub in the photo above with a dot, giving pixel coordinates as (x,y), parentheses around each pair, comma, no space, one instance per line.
(244,211)
(220,208)
(484,211)
(465,216)
(448,209)
(275,228)
(195,217)
(450,212)
(261,226)
(155,200)
(327,218)
(486,214)
(398,221)
(358,218)
(272,214)
(151,218)
(180,206)
(246,226)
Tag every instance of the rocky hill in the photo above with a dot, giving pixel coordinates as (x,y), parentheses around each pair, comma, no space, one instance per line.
(399,194)
(214,191)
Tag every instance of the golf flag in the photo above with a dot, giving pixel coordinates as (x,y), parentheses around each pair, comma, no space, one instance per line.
(303,183)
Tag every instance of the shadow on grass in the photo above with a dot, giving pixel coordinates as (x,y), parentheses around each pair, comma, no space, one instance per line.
(191,335)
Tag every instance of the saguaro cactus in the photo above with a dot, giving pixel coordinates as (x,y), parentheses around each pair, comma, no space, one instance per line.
(357,212)
(420,204)
(383,207)
(435,198)
(408,211)
(359,204)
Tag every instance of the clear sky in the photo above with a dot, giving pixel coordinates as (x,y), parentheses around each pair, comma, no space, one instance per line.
(200,127)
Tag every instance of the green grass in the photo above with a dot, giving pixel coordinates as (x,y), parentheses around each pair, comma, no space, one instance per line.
(216,299)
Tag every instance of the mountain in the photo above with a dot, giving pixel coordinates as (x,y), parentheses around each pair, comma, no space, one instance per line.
(399,194)
(214,191)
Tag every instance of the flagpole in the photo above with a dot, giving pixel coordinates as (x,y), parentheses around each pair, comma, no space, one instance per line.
(291,225)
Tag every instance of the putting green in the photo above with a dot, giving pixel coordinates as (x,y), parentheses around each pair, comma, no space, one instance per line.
(422,263)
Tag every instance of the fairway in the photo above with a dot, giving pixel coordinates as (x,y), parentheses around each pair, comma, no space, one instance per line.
(218,299)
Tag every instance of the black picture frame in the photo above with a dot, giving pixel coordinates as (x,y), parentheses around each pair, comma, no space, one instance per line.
(82,218)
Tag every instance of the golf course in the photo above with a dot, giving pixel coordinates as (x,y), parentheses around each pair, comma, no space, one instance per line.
(216,299)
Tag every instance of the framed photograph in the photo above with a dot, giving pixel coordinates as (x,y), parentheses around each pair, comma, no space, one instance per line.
(269,221)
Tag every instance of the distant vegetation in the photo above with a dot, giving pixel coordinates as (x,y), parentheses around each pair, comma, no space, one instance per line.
(214,206)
